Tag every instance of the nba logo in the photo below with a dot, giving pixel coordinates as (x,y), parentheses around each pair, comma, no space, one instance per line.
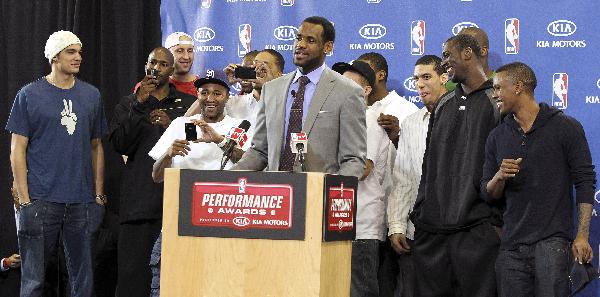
(511,36)
(205,3)
(560,88)
(287,2)
(245,33)
(242,182)
(417,37)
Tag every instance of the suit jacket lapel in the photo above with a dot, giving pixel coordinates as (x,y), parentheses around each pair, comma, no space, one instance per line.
(324,88)
(278,113)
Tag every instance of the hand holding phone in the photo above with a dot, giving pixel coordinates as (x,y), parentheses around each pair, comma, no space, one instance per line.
(190,132)
(242,72)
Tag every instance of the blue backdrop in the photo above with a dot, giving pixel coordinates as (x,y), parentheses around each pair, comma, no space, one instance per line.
(558,39)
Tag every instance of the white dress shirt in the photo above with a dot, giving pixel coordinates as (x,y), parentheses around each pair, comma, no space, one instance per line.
(398,106)
(244,107)
(202,155)
(407,172)
(370,215)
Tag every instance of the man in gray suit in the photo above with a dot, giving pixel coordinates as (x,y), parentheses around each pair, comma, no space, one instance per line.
(314,99)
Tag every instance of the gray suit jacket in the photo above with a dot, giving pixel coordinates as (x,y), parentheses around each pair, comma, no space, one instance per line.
(335,124)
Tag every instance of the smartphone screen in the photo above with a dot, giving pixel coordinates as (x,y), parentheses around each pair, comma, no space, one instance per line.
(190,132)
(245,72)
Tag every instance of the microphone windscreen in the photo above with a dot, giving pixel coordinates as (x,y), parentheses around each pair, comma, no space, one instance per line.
(245,124)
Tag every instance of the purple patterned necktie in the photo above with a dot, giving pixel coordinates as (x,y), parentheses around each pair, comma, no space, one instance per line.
(286,160)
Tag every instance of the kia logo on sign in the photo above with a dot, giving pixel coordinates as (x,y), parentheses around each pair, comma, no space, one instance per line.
(285,33)
(372,31)
(458,27)
(561,28)
(410,84)
(204,34)
(598,83)
(241,221)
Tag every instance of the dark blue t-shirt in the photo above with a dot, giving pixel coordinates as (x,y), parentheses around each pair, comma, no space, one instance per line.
(60,125)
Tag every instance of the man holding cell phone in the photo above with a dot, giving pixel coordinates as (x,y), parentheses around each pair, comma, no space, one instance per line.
(139,121)
(198,142)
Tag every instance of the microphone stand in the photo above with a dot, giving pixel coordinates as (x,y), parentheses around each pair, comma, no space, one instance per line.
(300,157)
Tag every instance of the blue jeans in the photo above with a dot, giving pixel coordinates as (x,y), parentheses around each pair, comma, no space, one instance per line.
(365,265)
(155,267)
(539,269)
(40,224)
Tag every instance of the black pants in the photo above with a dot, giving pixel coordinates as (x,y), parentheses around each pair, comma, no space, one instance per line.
(136,240)
(459,264)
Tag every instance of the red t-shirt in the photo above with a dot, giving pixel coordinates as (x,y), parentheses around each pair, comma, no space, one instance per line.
(184,87)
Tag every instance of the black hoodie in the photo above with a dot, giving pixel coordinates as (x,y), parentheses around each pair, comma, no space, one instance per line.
(539,199)
(448,200)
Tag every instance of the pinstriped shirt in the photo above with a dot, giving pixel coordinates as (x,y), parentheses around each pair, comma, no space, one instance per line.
(407,172)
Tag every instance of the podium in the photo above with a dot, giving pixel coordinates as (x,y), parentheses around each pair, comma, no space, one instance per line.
(202,257)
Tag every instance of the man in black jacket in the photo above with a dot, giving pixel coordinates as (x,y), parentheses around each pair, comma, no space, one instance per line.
(455,244)
(532,161)
(139,121)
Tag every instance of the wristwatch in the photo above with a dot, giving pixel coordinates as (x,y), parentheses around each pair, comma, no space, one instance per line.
(223,142)
(101,198)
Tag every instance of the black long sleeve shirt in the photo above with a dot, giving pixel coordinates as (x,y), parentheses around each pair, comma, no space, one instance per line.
(448,198)
(133,135)
(539,199)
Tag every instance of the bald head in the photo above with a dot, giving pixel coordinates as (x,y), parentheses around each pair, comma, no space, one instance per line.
(478,34)
(484,45)
(161,59)
(164,51)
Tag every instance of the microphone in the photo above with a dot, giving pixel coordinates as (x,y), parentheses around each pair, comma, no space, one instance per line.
(236,136)
(298,143)
(293,93)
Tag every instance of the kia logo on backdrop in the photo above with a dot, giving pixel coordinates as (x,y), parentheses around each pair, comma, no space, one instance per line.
(598,83)
(410,84)
(287,2)
(561,28)
(458,27)
(417,37)
(372,31)
(204,34)
(205,3)
(285,33)
(373,1)
(511,33)
(560,90)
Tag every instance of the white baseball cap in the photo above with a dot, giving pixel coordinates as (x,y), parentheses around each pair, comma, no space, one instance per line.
(174,39)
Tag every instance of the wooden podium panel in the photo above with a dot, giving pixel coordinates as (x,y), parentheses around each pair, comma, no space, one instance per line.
(223,267)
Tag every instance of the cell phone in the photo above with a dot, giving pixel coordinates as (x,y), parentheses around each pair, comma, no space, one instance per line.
(152,72)
(245,72)
(190,132)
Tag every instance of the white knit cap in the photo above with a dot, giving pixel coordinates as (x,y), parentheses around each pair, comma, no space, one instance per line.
(173,39)
(58,41)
